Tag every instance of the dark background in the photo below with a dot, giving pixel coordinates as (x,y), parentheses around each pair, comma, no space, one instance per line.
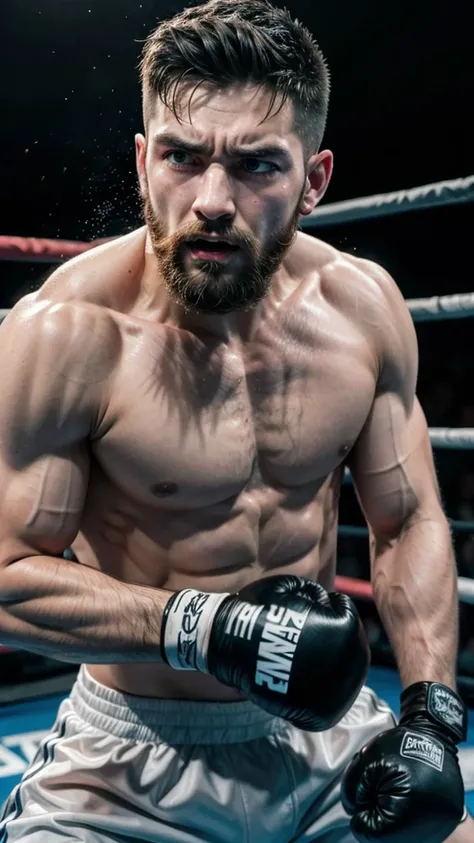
(400,116)
(402,92)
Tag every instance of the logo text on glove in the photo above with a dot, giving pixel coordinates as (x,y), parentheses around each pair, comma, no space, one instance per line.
(446,707)
(277,647)
(424,749)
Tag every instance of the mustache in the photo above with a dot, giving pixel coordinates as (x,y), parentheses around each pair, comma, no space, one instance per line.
(196,229)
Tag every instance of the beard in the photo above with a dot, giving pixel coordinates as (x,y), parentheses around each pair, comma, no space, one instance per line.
(214,286)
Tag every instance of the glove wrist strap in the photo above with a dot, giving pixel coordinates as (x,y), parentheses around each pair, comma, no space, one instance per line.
(440,704)
(186,628)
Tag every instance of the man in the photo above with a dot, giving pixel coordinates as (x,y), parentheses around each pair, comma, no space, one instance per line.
(177,408)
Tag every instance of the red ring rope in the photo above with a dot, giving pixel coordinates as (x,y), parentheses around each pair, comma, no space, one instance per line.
(40,249)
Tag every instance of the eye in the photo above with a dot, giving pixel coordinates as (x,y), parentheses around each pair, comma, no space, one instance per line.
(252,165)
(180,155)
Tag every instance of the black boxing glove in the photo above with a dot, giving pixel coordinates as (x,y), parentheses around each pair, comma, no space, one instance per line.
(286,644)
(405,786)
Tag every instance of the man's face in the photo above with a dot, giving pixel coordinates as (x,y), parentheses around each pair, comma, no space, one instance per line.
(222,195)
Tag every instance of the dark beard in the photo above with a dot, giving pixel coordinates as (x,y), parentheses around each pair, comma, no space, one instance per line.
(216,289)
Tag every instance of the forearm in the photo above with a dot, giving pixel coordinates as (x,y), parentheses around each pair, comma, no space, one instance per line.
(77,614)
(415,589)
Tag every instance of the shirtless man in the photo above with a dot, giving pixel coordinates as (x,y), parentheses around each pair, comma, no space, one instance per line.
(177,407)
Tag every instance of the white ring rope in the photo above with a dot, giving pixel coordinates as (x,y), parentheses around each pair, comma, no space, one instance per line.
(457,306)
(449,437)
(433,195)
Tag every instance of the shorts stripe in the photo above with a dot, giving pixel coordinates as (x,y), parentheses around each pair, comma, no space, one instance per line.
(13,807)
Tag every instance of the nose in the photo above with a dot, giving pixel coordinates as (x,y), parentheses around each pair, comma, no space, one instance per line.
(214,199)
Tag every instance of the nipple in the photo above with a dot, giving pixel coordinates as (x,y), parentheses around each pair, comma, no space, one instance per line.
(164,490)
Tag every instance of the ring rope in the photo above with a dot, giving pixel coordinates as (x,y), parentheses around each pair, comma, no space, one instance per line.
(42,249)
(451,437)
(457,306)
(434,195)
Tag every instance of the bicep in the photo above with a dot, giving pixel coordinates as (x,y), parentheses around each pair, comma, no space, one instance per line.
(41,505)
(46,417)
(392,465)
(392,462)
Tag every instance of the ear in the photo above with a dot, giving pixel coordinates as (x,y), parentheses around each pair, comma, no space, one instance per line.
(140,157)
(319,175)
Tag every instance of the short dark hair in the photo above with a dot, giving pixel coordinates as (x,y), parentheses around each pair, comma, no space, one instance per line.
(224,42)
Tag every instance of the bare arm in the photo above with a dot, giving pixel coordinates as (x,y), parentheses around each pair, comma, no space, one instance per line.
(58,362)
(413,567)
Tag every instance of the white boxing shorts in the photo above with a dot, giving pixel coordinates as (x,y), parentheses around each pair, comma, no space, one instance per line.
(126,769)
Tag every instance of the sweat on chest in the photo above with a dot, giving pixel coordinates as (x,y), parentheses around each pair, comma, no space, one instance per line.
(190,460)
(191,439)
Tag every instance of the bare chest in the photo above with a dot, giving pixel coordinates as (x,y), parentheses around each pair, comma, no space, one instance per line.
(195,427)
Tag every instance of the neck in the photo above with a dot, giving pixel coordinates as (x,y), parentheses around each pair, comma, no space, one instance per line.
(227,328)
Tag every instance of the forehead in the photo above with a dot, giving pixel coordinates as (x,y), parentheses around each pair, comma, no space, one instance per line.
(230,114)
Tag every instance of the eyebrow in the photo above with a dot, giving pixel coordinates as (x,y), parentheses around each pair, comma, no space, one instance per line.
(203,148)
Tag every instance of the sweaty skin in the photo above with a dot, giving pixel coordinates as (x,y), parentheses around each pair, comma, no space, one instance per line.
(210,464)
(174,450)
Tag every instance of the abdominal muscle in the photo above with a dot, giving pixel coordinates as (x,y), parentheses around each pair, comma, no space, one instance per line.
(111,542)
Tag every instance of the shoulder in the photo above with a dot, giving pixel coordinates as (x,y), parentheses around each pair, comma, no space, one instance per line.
(393,330)
(366,294)
(108,275)
(388,322)
(72,340)
(345,277)
(58,362)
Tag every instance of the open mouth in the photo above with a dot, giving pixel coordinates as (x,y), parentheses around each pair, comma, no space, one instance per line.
(211,249)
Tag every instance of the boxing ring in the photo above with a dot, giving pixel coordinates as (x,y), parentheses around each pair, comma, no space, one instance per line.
(18,741)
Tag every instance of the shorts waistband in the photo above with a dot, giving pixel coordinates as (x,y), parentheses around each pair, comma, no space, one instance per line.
(170,721)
